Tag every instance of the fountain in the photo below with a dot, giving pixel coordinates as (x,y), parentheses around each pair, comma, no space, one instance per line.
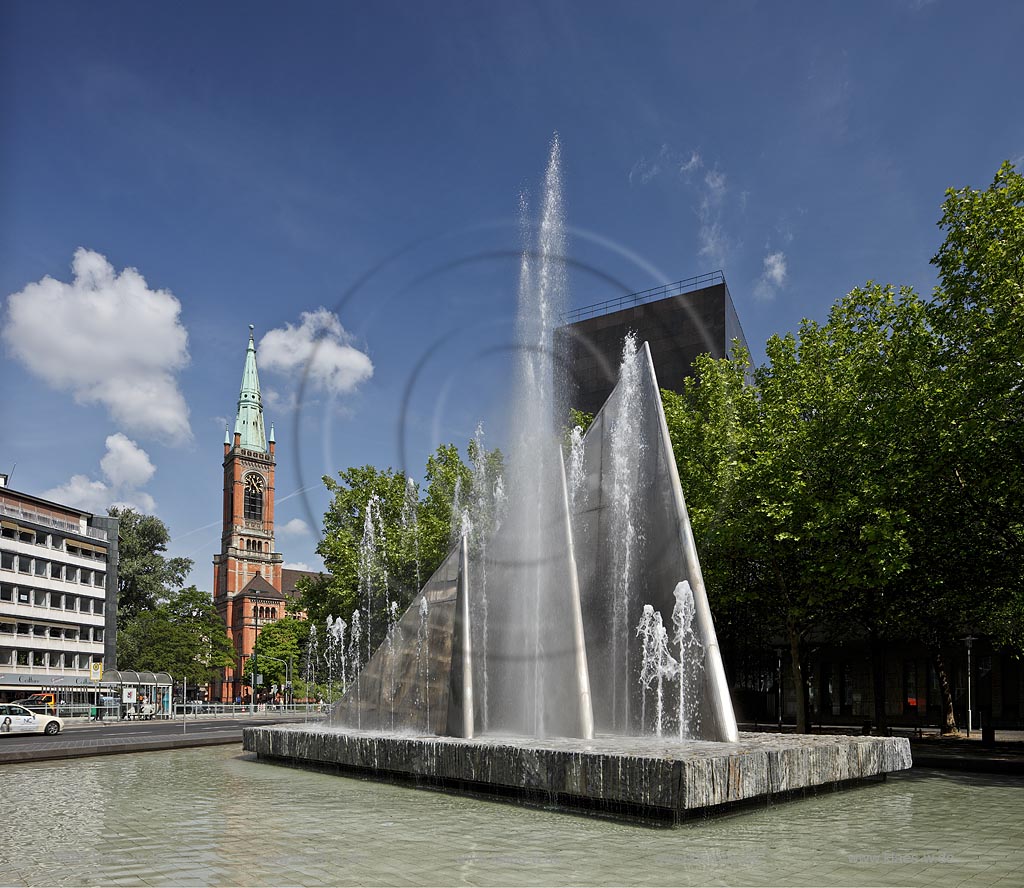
(536,659)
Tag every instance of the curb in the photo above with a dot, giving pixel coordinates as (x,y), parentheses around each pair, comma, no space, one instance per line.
(54,753)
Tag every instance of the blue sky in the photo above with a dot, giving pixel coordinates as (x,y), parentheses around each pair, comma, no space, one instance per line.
(354,171)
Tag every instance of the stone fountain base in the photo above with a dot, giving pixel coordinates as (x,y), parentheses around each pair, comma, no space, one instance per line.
(642,777)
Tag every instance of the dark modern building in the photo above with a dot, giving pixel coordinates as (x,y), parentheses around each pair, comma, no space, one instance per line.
(680,321)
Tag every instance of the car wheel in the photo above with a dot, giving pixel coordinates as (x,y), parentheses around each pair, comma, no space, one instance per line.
(52,728)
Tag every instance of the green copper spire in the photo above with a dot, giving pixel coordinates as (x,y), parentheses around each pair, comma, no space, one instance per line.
(249,422)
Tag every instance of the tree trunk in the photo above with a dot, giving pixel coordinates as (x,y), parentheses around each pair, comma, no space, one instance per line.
(798,680)
(948,716)
(878,682)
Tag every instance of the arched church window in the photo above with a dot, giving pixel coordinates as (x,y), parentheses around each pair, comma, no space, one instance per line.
(253,505)
(273,613)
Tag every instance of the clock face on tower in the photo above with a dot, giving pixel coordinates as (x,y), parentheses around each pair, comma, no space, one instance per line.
(253,504)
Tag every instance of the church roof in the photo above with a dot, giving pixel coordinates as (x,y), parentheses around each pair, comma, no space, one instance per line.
(249,421)
(261,587)
(290,576)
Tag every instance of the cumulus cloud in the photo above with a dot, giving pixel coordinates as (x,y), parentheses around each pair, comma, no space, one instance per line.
(125,463)
(710,189)
(295,527)
(108,339)
(296,565)
(773,276)
(714,181)
(320,348)
(126,467)
(669,161)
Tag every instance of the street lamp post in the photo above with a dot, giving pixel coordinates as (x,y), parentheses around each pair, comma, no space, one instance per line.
(255,656)
(287,668)
(967,641)
(778,684)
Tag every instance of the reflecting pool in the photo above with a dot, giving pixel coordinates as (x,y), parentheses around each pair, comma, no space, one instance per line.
(216,817)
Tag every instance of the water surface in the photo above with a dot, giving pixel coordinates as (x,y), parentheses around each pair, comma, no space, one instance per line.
(216,817)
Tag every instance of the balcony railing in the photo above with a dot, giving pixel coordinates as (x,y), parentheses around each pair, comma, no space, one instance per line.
(56,523)
(677,288)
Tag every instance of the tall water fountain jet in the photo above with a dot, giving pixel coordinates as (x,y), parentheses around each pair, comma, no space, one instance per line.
(530,622)
(532,681)
(547,618)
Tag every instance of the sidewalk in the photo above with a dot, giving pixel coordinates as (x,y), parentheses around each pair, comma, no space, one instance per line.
(960,753)
(953,753)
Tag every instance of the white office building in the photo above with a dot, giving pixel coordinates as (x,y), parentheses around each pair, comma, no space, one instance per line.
(58,594)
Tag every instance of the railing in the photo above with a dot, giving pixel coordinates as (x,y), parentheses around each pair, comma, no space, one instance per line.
(677,288)
(235,710)
(127,712)
(56,523)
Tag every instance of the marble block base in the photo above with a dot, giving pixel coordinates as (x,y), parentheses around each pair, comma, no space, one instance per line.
(629,776)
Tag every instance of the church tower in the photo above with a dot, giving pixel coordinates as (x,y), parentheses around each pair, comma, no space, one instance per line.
(247,570)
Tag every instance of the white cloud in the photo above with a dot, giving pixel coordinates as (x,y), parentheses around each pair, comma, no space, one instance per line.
(126,467)
(688,166)
(714,181)
(320,348)
(278,402)
(125,463)
(296,565)
(773,276)
(295,527)
(644,171)
(108,339)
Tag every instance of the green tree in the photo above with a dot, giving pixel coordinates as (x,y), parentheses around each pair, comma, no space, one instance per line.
(338,593)
(446,474)
(281,642)
(978,312)
(183,636)
(800,485)
(145,575)
(412,531)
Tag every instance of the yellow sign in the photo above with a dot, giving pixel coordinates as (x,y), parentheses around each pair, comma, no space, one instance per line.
(96,671)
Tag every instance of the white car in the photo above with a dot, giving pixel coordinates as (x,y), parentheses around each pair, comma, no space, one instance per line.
(16,719)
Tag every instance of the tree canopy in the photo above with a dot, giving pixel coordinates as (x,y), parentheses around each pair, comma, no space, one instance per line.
(145,575)
(384,535)
(866,480)
(183,636)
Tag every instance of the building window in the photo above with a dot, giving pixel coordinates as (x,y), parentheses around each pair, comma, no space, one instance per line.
(253,505)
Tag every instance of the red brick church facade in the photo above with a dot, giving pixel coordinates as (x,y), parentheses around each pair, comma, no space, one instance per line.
(250,584)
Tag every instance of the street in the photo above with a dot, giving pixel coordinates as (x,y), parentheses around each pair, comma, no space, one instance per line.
(105,738)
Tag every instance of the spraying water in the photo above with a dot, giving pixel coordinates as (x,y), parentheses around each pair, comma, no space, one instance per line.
(411,527)
(373,574)
(525,692)
(626,454)
(691,661)
(423,640)
(657,664)
(354,656)
(576,471)
(560,557)
(312,652)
